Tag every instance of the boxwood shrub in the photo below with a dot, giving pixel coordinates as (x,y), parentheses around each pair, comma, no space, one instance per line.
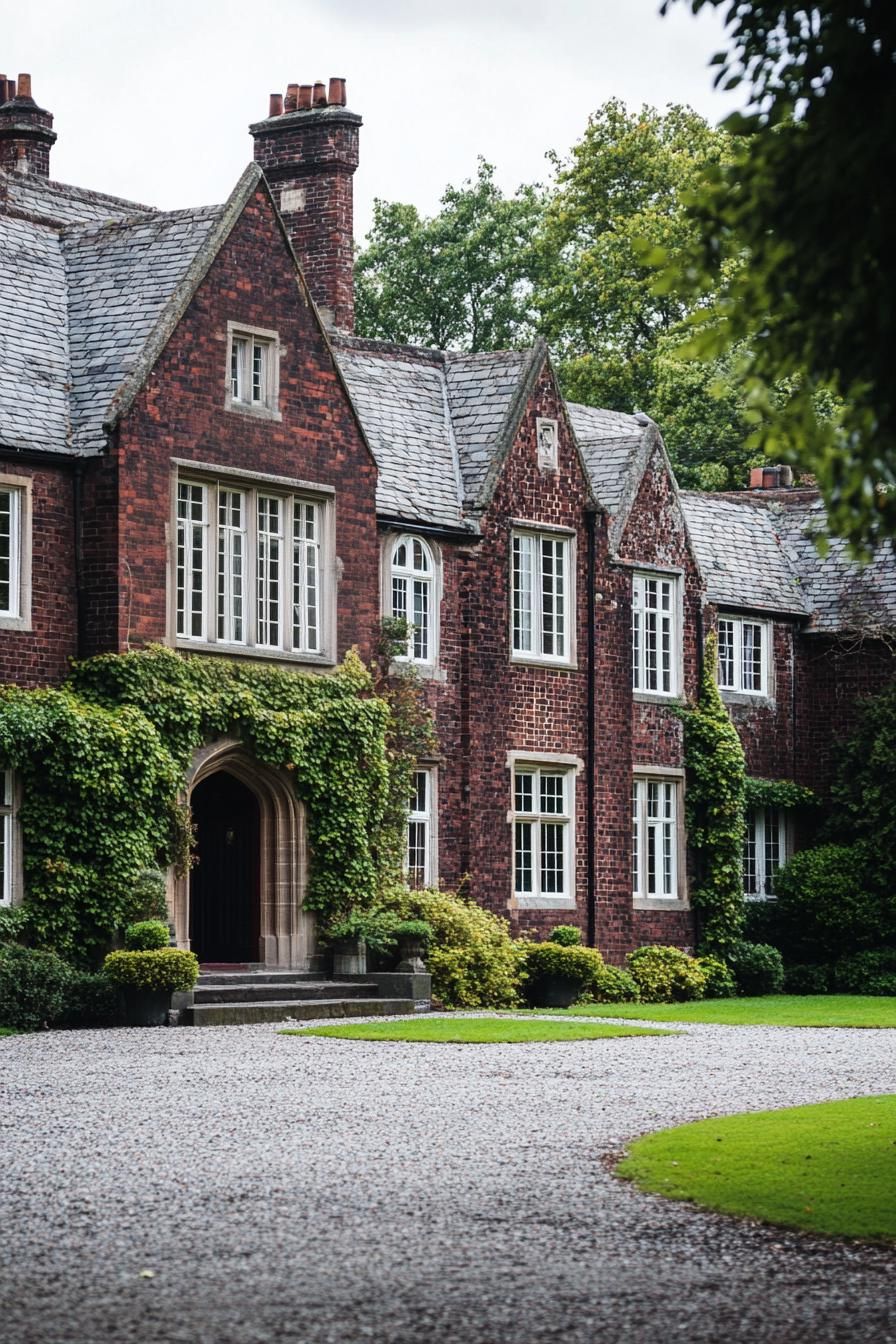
(867,972)
(720,982)
(807,979)
(34,987)
(471,957)
(543,961)
(165,969)
(758,968)
(611,984)
(567,935)
(146,935)
(666,974)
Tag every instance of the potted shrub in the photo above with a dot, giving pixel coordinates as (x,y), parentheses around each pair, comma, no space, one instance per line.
(412,936)
(558,975)
(352,936)
(146,980)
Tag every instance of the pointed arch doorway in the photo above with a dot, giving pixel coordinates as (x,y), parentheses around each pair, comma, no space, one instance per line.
(243,901)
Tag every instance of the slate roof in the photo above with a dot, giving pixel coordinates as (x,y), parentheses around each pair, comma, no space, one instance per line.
(121,276)
(84,279)
(741,555)
(481,390)
(609,443)
(841,594)
(403,406)
(34,353)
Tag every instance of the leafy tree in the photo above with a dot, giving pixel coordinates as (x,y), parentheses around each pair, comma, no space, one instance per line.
(458,280)
(808,197)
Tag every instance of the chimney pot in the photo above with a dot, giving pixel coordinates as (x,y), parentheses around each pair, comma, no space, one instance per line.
(320,94)
(756,478)
(336,94)
(304,97)
(289,103)
(276,105)
(10,90)
(23,87)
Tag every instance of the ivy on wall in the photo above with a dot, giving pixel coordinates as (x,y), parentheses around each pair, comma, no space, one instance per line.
(777,793)
(102,763)
(714,805)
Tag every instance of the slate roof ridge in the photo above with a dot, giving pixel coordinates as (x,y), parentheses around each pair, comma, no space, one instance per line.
(13,187)
(418,354)
(533,361)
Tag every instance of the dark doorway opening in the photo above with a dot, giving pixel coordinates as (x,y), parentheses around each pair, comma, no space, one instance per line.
(224,884)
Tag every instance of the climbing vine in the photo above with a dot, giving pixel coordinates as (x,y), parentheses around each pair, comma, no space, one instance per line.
(102,765)
(777,793)
(715,796)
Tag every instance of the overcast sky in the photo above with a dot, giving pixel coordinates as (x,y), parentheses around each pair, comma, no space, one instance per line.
(152,98)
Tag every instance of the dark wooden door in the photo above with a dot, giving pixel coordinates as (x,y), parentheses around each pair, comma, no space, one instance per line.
(224,884)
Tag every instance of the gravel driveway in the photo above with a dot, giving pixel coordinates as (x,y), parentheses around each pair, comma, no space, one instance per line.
(318,1190)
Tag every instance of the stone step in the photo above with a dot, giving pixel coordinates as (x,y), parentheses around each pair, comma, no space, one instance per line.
(243,1014)
(256,977)
(280,991)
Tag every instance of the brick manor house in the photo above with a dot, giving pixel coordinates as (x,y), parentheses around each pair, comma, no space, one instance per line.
(195,450)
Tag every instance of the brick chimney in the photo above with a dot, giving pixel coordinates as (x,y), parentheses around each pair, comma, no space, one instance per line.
(26,134)
(308,148)
(771,478)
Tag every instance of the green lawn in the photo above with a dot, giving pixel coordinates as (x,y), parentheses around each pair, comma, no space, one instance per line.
(471,1030)
(8,1031)
(775,1010)
(828,1168)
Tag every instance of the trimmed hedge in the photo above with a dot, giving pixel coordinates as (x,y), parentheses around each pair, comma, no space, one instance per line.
(34,987)
(146,935)
(867,973)
(720,982)
(544,961)
(471,957)
(666,974)
(165,969)
(758,968)
(612,984)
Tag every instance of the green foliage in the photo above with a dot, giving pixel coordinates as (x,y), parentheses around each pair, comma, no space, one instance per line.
(777,793)
(90,1001)
(720,982)
(150,895)
(611,984)
(822,908)
(816,301)
(145,935)
(414,928)
(758,968)
(376,928)
(459,280)
(102,762)
(864,790)
(807,979)
(666,974)
(867,973)
(472,958)
(567,935)
(34,986)
(13,923)
(714,802)
(165,969)
(580,966)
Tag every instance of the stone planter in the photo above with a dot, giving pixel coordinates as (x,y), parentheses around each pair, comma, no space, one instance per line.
(556,991)
(411,954)
(145,1007)
(349,956)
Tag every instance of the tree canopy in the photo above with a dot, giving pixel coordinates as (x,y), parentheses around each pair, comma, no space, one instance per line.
(807,198)
(461,279)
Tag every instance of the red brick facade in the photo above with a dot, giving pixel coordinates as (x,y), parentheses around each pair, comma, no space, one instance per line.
(103,557)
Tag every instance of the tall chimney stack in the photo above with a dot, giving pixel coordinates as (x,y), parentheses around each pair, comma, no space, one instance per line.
(26,130)
(309,153)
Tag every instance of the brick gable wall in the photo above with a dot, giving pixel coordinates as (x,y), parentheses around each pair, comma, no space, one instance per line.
(180,414)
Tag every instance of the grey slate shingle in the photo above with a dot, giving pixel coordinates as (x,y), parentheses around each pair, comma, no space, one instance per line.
(740,553)
(609,443)
(481,389)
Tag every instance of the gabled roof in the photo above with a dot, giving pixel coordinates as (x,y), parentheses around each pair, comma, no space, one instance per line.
(842,594)
(481,391)
(403,407)
(740,554)
(609,443)
(47,202)
(92,307)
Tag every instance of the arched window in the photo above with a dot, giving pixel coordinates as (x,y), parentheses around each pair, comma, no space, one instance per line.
(412,572)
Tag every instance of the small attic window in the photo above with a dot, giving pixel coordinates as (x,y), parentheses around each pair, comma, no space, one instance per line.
(253,367)
(546,437)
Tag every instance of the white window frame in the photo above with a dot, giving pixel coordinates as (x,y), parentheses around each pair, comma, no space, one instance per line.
(653,790)
(536,766)
(430,582)
(767,833)
(251,391)
(421,832)
(652,619)
(9,850)
(16,615)
(529,616)
(731,671)
(238,596)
